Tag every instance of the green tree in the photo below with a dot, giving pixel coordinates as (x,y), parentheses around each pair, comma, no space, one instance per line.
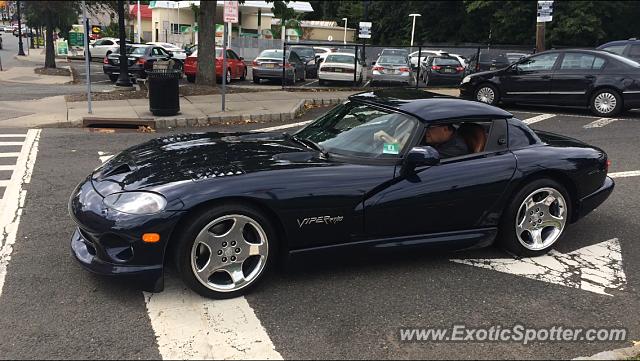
(52,15)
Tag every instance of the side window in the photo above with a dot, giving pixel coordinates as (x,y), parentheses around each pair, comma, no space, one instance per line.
(458,139)
(231,55)
(520,135)
(616,49)
(634,51)
(98,42)
(542,62)
(293,57)
(598,63)
(578,61)
(107,42)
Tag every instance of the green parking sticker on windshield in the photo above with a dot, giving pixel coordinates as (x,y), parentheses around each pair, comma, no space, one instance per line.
(391,148)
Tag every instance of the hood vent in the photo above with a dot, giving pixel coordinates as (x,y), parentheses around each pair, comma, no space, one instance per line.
(120,169)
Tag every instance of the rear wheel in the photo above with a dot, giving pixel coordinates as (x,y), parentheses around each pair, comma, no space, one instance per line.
(225,251)
(322,82)
(113,77)
(536,218)
(244,75)
(488,94)
(606,103)
(191,78)
(256,79)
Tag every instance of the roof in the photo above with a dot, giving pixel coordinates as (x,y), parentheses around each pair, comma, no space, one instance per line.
(428,106)
(145,11)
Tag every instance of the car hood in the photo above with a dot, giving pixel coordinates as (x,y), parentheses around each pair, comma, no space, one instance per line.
(197,157)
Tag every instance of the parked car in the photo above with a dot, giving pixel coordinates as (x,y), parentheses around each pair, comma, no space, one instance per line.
(226,208)
(140,57)
(340,67)
(236,68)
(323,52)
(7,29)
(442,70)
(390,69)
(489,60)
(629,48)
(513,57)
(26,32)
(176,51)
(103,47)
(424,54)
(268,65)
(308,55)
(607,83)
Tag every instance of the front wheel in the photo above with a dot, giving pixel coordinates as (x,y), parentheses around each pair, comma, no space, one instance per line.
(113,78)
(225,251)
(606,103)
(322,82)
(536,218)
(487,94)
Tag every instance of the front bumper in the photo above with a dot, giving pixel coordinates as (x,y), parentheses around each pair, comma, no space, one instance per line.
(133,70)
(110,243)
(592,201)
(444,79)
(392,78)
(332,76)
(466,90)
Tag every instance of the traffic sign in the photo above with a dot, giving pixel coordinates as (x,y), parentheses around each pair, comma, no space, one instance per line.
(231,12)
(95,30)
(545,11)
(365,30)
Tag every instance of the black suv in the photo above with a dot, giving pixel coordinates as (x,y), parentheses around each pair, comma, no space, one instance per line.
(627,48)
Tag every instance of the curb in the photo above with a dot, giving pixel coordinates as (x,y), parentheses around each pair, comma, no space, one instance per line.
(203,121)
(617,354)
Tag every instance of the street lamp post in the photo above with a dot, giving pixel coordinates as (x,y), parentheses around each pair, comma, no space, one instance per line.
(413,28)
(344,40)
(123,78)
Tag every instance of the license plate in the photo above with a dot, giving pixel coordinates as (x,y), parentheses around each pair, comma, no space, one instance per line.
(269,65)
(448,70)
(116,62)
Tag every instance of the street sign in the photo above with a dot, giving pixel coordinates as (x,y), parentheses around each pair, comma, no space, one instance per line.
(231,12)
(365,30)
(545,11)
(95,30)
(76,39)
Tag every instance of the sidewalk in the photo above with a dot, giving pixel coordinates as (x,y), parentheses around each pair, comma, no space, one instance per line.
(23,74)
(200,110)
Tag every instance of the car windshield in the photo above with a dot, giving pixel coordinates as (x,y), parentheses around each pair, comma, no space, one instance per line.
(334,58)
(355,129)
(274,54)
(136,50)
(393,60)
(445,61)
(395,52)
(304,52)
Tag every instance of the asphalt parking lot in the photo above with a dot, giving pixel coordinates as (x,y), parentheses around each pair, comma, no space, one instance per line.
(353,303)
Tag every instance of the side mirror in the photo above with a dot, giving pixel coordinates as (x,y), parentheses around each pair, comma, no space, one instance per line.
(241,58)
(426,156)
(373,63)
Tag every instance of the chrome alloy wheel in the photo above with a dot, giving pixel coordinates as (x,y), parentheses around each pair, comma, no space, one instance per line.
(605,103)
(541,219)
(229,253)
(485,95)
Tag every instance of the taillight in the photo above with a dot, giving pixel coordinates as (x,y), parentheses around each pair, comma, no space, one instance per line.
(436,67)
(106,60)
(141,61)
(287,65)
(254,63)
(607,165)
(459,69)
(378,68)
(404,70)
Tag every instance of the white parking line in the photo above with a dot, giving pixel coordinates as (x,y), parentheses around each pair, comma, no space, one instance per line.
(633,173)
(285,126)
(4,182)
(7,167)
(9,155)
(313,82)
(13,200)
(600,123)
(538,118)
(11,143)
(12,135)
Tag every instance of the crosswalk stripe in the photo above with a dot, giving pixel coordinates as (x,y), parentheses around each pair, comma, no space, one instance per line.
(600,123)
(12,135)
(7,167)
(4,182)
(632,173)
(538,118)
(9,155)
(10,143)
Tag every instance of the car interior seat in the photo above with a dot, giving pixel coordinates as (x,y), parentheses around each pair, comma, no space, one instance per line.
(474,135)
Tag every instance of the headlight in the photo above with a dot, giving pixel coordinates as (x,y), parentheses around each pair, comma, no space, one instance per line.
(135,202)
(466,79)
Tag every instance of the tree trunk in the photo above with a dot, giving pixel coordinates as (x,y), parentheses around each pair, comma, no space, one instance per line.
(206,73)
(50,55)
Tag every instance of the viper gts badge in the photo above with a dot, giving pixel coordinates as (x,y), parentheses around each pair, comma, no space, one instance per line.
(318,220)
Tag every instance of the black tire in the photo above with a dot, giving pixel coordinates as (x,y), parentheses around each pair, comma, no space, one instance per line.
(256,80)
(507,235)
(244,75)
(191,78)
(486,87)
(199,221)
(113,78)
(321,82)
(606,96)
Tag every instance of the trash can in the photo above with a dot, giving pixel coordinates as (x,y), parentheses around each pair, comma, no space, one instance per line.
(164,96)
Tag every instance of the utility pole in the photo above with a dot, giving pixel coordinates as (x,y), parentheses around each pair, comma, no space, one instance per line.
(364,41)
(123,78)
(540,37)
(545,13)
(20,48)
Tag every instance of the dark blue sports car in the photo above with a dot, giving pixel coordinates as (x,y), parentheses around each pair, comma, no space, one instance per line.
(383,170)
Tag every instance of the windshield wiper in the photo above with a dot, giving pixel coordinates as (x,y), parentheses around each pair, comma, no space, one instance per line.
(308,143)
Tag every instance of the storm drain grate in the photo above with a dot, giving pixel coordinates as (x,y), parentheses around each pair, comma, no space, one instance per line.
(119,123)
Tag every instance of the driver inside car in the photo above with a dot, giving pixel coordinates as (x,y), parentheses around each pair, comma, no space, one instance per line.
(446,140)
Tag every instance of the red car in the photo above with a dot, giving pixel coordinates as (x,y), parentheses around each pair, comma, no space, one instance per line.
(236,68)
